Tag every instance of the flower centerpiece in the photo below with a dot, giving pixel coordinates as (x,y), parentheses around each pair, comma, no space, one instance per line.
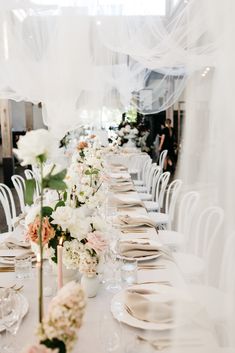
(58,332)
(35,148)
(58,328)
(85,176)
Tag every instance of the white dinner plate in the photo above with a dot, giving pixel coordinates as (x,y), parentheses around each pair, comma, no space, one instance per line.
(166,293)
(24,308)
(144,258)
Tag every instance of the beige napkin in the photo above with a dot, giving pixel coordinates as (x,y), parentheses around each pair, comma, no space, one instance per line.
(127,202)
(138,249)
(13,243)
(143,305)
(125,187)
(127,221)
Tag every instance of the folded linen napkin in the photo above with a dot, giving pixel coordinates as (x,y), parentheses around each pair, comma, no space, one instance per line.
(14,243)
(138,249)
(123,188)
(127,221)
(120,176)
(126,202)
(143,305)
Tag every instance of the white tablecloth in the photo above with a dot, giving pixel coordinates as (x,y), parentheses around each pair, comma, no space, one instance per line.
(98,318)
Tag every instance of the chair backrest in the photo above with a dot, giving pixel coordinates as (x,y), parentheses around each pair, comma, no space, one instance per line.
(187,209)
(161,188)
(171,198)
(140,160)
(146,170)
(156,175)
(162,158)
(8,205)
(19,185)
(207,227)
(149,179)
(226,280)
(29,174)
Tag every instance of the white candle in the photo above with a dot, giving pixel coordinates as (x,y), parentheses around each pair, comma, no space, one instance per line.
(60,263)
(40,284)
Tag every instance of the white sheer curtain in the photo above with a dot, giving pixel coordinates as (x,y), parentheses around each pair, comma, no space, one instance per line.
(83,55)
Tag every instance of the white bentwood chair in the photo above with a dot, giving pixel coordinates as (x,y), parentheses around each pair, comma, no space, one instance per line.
(145,170)
(175,239)
(29,174)
(157,203)
(162,158)
(219,300)
(207,227)
(19,185)
(8,205)
(164,219)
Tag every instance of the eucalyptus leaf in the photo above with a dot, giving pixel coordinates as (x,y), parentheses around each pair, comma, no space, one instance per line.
(47,211)
(30,187)
(57,184)
(59,204)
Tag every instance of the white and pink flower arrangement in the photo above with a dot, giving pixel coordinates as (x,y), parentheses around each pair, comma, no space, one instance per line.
(86,253)
(58,330)
(85,176)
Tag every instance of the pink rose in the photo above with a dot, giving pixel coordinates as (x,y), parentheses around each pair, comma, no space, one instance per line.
(39,348)
(96,241)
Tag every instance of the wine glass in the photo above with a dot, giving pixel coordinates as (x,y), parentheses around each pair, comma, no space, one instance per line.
(110,332)
(114,283)
(10,313)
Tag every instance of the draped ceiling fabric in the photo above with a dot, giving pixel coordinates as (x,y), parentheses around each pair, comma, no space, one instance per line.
(78,56)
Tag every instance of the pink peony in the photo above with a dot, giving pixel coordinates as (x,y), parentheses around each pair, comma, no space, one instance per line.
(39,348)
(96,241)
(47,230)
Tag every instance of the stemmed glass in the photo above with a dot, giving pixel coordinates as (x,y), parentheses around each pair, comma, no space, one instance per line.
(10,314)
(113,263)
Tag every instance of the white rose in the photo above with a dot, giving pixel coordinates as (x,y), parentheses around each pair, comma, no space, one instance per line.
(64,216)
(33,144)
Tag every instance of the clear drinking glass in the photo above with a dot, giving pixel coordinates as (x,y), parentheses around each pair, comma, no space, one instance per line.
(129,271)
(10,314)
(23,266)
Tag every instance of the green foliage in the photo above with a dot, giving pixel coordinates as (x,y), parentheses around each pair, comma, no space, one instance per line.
(59,204)
(30,186)
(47,211)
(55,182)
(92,171)
(55,343)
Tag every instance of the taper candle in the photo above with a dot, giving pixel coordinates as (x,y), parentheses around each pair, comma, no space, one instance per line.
(60,263)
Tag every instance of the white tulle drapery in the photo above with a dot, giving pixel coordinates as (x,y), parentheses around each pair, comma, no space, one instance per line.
(81,56)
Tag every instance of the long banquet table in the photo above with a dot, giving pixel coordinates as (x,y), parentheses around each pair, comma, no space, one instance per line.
(98,321)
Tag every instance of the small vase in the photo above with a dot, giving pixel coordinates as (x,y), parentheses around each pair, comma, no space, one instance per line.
(90,284)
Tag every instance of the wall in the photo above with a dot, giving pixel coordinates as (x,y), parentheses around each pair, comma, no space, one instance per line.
(18,116)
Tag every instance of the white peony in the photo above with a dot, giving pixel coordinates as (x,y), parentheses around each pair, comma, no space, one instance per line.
(35,143)
(65,217)
(99,223)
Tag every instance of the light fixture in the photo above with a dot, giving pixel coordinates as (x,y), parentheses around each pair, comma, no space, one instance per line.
(98,23)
